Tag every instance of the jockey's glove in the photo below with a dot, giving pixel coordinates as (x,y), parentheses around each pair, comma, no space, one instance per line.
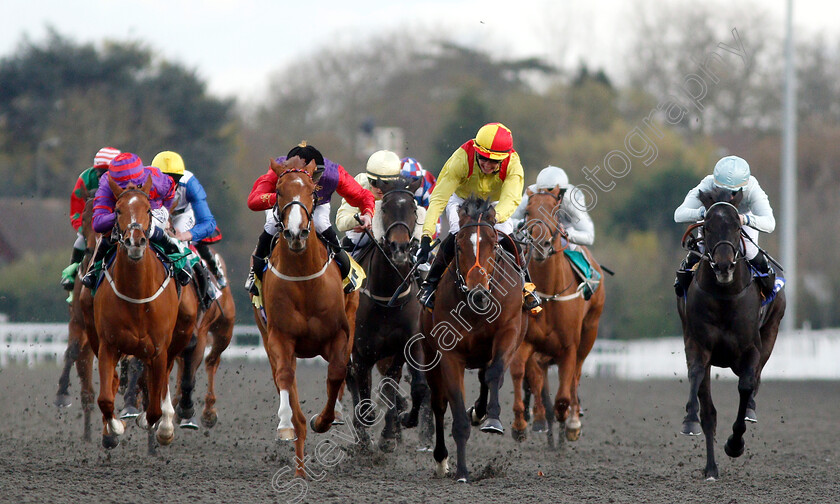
(425,250)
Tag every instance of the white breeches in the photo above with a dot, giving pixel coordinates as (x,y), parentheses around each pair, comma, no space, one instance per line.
(750,250)
(184,221)
(320,219)
(80,243)
(160,218)
(455,221)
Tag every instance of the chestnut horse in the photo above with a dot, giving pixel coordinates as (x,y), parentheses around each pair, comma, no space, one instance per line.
(307,312)
(566,328)
(78,346)
(724,325)
(135,312)
(477,323)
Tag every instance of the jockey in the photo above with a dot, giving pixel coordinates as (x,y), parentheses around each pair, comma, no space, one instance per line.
(489,167)
(382,166)
(193,221)
(572,215)
(731,172)
(85,188)
(331,177)
(410,167)
(124,169)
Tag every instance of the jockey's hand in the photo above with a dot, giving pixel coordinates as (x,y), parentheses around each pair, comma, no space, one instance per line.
(366,221)
(425,250)
(744,219)
(184,236)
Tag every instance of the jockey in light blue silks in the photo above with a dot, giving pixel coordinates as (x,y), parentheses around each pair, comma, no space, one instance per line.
(733,173)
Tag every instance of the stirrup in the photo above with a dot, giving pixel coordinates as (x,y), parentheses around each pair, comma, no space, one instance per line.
(426,296)
(219,273)
(89,280)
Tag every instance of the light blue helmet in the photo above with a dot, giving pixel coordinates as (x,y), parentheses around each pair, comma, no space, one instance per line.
(551,177)
(732,173)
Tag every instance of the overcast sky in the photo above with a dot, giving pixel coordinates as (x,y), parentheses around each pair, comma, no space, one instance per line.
(236,44)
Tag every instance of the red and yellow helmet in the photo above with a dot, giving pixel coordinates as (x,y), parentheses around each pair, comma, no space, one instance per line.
(494,141)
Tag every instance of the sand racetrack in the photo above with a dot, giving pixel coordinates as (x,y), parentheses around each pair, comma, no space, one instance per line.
(630,450)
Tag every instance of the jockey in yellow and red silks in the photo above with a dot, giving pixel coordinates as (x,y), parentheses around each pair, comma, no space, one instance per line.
(488,167)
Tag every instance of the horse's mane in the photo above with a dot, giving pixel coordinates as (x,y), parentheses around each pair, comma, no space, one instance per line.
(720,194)
(478,208)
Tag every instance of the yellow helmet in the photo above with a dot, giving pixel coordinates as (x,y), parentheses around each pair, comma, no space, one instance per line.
(169,162)
(494,141)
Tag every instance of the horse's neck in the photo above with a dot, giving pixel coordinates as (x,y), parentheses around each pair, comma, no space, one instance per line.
(552,275)
(137,278)
(381,276)
(705,278)
(309,261)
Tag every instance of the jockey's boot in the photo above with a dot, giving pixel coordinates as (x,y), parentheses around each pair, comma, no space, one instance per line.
(95,267)
(170,246)
(68,274)
(685,273)
(213,263)
(765,275)
(530,301)
(426,295)
(341,257)
(258,262)
(207,292)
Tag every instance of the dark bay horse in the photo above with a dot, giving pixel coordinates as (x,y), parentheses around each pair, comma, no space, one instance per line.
(477,323)
(136,312)
(566,328)
(78,346)
(383,331)
(724,324)
(307,312)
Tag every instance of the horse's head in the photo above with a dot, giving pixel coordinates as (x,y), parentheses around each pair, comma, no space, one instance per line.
(722,231)
(542,222)
(475,248)
(295,200)
(134,217)
(398,212)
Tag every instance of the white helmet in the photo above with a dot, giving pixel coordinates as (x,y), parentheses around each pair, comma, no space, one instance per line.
(732,173)
(551,177)
(383,165)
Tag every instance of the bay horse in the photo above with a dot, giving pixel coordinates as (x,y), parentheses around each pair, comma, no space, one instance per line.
(382,331)
(478,323)
(78,346)
(137,312)
(307,312)
(724,324)
(566,328)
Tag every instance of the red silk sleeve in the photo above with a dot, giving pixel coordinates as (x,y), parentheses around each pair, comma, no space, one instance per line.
(77,203)
(263,194)
(354,193)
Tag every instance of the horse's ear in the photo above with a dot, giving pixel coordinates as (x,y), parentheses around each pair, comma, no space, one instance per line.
(706,199)
(275,166)
(415,184)
(311,167)
(529,192)
(147,185)
(115,188)
(737,197)
(491,214)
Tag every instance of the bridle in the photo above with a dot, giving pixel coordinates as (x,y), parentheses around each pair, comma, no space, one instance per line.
(557,231)
(121,234)
(710,252)
(397,224)
(279,213)
(460,278)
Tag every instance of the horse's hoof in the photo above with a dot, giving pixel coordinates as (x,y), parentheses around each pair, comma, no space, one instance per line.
(750,416)
(129,412)
(285,435)
(462,479)
(474,419)
(209,419)
(539,426)
(110,441)
(424,448)
(313,423)
(406,420)
(492,426)
(188,423)
(442,468)
(387,445)
(181,413)
(734,449)
(691,429)
(142,422)
(711,473)
(116,426)
(339,419)
(164,438)
(572,434)
(519,435)
(63,400)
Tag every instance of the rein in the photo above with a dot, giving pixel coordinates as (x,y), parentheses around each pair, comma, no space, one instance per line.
(460,280)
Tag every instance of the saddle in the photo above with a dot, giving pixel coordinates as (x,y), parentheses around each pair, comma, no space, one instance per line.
(590,277)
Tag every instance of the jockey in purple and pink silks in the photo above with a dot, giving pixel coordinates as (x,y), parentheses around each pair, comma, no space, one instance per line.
(125,169)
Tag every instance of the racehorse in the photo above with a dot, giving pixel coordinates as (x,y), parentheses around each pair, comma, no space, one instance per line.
(136,312)
(382,331)
(217,323)
(566,328)
(724,324)
(477,323)
(307,312)
(78,347)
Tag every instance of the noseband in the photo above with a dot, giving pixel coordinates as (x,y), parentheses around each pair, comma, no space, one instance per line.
(558,231)
(460,280)
(396,224)
(711,252)
(121,234)
(280,212)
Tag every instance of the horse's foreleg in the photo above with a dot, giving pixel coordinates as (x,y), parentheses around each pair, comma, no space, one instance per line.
(566,376)
(391,432)
(746,386)
(437,403)
(419,388)
(453,374)
(221,339)
(708,417)
(517,376)
(280,350)
(478,412)
(84,368)
(299,422)
(157,377)
(697,368)
(111,427)
(540,400)
(62,396)
(535,377)
(336,373)
(192,356)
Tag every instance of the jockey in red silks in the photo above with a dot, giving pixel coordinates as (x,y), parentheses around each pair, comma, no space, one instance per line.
(86,186)
(124,169)
(332,177)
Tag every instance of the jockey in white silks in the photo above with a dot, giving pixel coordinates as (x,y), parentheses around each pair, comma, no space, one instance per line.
(733,173)
(571,213)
